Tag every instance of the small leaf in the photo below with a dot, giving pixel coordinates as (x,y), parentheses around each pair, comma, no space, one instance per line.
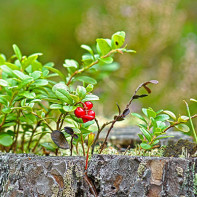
(70,63)
(103,47)
(6,139)
(91,139)
(69,108)
(139,116)
(139,96)
(56,106)
(59,139)
(171,114)
(145,146)
(126,112)
(183,128)
(118,39)
(3,83)
(30,95)
(69,130)
(107,60)
(88,48)
(144,110)
(56,71)
(40,82)
(162,117)
(183,119)
(141,137)
(90,97)
(89,88)
(146,134)
(151,113)
(86,79)
(81,92)
(119,111)
(17,51)
(48,146)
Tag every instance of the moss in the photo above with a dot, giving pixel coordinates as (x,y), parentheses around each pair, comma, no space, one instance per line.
(141,169)
(183,148)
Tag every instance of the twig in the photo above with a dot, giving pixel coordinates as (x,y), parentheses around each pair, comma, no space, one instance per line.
(90,184)
(126,110)
(127,150)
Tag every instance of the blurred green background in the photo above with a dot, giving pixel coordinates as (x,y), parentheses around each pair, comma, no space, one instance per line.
(163,32)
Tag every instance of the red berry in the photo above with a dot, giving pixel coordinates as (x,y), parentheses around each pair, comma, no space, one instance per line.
(85,120)
(88,117)
(91,113)
(79,112)
(88,104)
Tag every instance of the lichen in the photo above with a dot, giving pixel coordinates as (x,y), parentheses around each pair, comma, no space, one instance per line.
(141,169)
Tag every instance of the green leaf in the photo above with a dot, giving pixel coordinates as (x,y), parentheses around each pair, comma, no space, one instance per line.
(81,92)
(29,61)
(86,79)
(146,134)
(151,113)
(183,119)
(69,108)
(49,146)
(141,137)
(145,146)
(3,83)
(3,100)
(88,48)
(79,120)
(60,85)
(139,116)
(17,51)
(20,75)
(71,63)
(162,117)
(89,88)
(90,97)
(118,39)
(40,82)
(163,137)
(56,106)
(6,110)
(156,141)
(183,128)
(171,114)
(6,139)
(144,110)
(12,66)
(30,95)
(103,47)
(56,71)
(36,74)
(107,60)
(63,95)
(110,67)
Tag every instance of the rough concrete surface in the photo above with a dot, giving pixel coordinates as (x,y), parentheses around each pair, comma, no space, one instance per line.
(35,176)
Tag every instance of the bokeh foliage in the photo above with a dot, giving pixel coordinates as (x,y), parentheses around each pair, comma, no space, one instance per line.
(162,32)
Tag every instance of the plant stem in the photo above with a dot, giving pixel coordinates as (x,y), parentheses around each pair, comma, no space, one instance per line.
(87,156)
(58,122)
(92,64)
(43,120)
(192,125)
(98,132)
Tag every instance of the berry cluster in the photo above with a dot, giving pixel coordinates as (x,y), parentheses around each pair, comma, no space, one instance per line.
(85,112)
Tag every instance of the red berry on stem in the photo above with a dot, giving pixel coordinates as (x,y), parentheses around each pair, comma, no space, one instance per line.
(79,112)
(88,117)
(91,113)
(88,104)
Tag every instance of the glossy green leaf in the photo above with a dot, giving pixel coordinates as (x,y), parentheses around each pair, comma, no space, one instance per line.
(89,88)
(162,117)
(103,47)
(81,92)
(17,51)
(139,116)
(56,106)
(6,139)
(88,48)
(71,63)
(183,128)
(90,97)
(146,134)
(3,83)
(183,119)
(36,74)
(145,146)
(30,95)
(107,60)
(69,108)
(86,79)
(171,114)
(40,82)
(56,71)
(118,39)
